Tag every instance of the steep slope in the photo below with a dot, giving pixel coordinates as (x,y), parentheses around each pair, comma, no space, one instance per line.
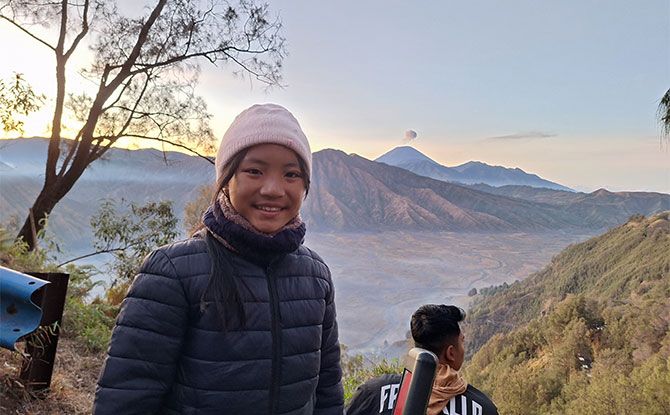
(607,267)
(588,334)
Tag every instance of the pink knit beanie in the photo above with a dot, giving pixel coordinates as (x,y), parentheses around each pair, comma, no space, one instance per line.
(263,124)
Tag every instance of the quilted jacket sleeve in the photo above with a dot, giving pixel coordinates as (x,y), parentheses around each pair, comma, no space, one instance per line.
(329,392)
(146,342)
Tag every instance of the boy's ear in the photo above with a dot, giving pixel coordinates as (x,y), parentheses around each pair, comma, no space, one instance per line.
(449,353)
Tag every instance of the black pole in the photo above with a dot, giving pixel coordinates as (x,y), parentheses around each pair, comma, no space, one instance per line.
(422,364)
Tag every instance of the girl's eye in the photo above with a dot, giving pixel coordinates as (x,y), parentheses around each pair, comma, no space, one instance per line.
(294,175)
(253,171)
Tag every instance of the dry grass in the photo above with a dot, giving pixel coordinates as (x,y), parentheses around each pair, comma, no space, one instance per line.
(72,385)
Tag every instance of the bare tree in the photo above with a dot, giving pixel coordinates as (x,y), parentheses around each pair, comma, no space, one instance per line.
(145,69)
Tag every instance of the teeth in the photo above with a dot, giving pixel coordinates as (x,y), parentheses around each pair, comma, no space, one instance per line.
(269,209)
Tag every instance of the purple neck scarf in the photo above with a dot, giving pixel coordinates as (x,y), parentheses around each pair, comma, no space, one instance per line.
(237,234)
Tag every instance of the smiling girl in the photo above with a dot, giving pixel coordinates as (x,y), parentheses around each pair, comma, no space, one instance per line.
(240,318)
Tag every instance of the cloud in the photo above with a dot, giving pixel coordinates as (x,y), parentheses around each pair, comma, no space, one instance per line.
(409,136)
(522,135)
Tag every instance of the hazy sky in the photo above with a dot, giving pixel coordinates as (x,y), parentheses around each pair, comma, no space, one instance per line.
(567,89)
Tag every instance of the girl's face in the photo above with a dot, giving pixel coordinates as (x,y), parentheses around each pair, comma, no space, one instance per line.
(267,188)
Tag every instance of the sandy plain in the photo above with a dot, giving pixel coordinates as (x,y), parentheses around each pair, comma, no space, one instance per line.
(381,278)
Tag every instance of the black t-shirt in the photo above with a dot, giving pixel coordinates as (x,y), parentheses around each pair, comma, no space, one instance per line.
(378,395)
(471,402)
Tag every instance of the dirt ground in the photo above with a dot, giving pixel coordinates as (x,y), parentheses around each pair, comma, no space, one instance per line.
(72,385)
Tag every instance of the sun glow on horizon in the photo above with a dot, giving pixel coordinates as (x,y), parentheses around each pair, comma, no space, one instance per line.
(466,111)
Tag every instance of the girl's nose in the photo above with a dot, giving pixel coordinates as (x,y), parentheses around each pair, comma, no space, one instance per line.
(272,187)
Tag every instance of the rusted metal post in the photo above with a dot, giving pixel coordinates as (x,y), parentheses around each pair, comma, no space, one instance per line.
(41,345)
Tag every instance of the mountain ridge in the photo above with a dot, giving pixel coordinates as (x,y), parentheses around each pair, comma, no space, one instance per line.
(409,198)
(348,193)
(471,172)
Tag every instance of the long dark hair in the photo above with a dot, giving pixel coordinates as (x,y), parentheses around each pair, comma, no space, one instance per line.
(222,288)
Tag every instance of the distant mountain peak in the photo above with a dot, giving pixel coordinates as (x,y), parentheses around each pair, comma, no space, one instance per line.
(474,163)
(602,192)
(402,155)
(482,165)
(331,151)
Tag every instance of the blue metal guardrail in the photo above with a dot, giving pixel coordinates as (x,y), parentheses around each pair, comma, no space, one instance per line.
(18,314)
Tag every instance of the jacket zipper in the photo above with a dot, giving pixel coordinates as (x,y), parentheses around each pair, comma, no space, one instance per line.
(276,340)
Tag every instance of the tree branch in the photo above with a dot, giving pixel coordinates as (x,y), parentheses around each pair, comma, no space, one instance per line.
(141,38)
(80,36)
(24,30)
(120,95)
(146,66)
(104,251)
(258,76)
(70,154)
(207,55)
(163,140)
(63,30)
(147,114)
(98,151)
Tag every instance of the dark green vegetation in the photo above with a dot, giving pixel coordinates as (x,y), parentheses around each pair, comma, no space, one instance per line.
(88,322)
(126,231)
(589,334)
(356,370)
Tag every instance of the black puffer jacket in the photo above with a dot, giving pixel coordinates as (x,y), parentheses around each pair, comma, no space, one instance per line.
(169,357)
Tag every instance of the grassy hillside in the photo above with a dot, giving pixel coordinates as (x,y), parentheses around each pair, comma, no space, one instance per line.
(588,334)
(611,267)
